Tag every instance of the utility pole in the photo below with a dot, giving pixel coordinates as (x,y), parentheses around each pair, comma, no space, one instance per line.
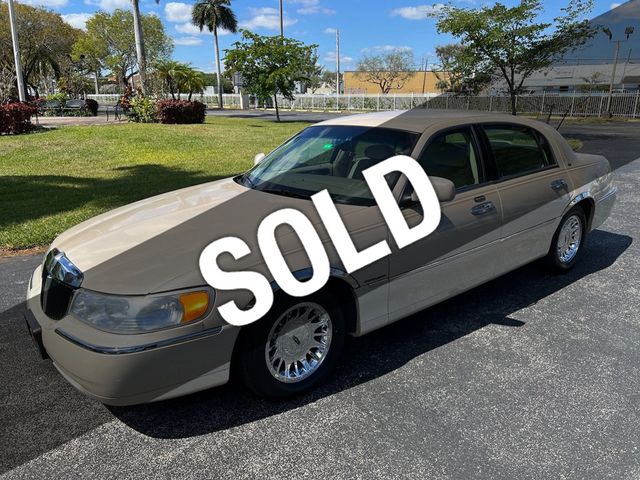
(425,62)
(628,31)
(613,76)
(16,52)
(281,20)
(337,69)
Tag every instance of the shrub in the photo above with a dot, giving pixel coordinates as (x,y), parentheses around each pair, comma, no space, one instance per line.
(180,111)
(16,117)
(61,97)
(92,106)
(141,110)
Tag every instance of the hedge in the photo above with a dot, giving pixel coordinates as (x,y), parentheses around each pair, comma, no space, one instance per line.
(16,117)
(180,111)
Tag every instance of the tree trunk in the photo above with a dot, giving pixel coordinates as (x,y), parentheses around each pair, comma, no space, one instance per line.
(275,103)
(218,75)
(514,108)
(140,53)
(97,84)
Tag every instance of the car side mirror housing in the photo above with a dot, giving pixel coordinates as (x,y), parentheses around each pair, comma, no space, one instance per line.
(444,188)
(258,158)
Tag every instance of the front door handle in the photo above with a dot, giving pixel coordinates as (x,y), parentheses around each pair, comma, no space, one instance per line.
(483,208)
(559,185)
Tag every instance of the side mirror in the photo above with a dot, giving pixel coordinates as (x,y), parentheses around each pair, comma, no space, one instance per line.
(445,191)
(258,158)
(444,188)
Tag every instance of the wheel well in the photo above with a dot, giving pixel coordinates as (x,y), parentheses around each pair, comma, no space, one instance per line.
(344,295)
(588,206)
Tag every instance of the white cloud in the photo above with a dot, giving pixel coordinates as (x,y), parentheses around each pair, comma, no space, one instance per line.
(109,5)
(77,20)
(268,18)
(387,48)
(191,30)
(615,5)
(45,3)
(331,58)
(311,7)
(330,31)
(178,12)
(419,12)
(188,41)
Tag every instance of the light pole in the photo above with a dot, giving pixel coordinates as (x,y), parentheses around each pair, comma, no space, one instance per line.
(627,31)
(281,20)
(16,52)
(337,69)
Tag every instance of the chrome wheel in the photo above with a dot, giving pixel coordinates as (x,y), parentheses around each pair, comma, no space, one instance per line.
(298,342)
(569,239)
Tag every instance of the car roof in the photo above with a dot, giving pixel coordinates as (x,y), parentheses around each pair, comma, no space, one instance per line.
(419,119)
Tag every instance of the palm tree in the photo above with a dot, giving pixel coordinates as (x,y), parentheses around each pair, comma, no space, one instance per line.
(172,74)
(215,14)
(193,82)
(140,53)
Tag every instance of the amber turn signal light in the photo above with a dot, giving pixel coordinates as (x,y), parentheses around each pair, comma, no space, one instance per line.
(194,304)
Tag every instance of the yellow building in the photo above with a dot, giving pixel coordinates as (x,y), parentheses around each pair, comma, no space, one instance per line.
(418,82)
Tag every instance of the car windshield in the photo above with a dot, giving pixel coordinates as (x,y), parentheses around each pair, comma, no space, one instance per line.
(330,157)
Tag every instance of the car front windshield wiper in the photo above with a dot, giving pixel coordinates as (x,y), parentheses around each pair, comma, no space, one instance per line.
(284,192)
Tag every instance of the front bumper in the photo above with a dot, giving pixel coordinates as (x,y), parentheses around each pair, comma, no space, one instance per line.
(130,369)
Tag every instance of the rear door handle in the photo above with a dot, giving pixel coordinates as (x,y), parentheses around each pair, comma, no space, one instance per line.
(483,208)
(559,185)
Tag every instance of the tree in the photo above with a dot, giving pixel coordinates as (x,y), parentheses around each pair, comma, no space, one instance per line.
(458,71)
(215,14)
(111,35)
(179,77)
(271,65)
(316,78)
(192,82)
(45,44)
(512,41)
(171,73)
(390,70)
(329,79)
(138,32)
(212,79)
(92,53)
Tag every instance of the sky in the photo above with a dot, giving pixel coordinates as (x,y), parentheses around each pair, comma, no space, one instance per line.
(366,26)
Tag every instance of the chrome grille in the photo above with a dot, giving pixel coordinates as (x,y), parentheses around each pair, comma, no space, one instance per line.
(60,278)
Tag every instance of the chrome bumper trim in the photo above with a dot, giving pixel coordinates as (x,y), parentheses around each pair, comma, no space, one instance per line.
(613,191)
(138,348)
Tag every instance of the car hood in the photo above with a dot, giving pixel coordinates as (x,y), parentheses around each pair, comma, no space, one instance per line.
(154,245)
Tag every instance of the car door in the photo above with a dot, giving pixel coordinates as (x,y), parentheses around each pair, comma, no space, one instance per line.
(460,253)
(534,191)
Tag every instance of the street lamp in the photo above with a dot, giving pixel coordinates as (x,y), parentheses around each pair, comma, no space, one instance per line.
(16,52)
(627,32)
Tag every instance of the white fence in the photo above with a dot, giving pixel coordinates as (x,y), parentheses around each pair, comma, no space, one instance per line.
(572,104)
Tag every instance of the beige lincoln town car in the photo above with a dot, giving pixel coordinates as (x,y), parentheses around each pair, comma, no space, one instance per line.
(121,308)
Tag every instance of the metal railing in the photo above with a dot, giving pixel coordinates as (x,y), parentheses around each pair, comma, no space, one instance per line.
(573,104)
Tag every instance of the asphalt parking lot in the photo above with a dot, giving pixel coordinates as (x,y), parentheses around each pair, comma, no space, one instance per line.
(529,376)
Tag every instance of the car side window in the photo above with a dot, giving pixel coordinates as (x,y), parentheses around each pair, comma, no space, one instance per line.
(452,155)
(518,149)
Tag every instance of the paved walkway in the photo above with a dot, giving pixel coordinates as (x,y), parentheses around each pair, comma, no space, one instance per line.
(74,121)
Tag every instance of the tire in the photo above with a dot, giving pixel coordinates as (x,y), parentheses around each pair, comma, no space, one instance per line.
(268,347)
(568,241)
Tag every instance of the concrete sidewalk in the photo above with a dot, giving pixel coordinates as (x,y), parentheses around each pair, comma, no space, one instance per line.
(50,122)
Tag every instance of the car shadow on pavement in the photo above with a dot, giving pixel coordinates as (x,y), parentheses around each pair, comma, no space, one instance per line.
(381,352)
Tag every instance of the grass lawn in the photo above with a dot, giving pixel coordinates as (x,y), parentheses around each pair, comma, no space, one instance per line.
(52,180)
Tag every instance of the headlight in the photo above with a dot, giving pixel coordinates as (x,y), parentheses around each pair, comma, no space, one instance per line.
(136,314)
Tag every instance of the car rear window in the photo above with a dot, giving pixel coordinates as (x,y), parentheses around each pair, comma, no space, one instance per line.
(518,149)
